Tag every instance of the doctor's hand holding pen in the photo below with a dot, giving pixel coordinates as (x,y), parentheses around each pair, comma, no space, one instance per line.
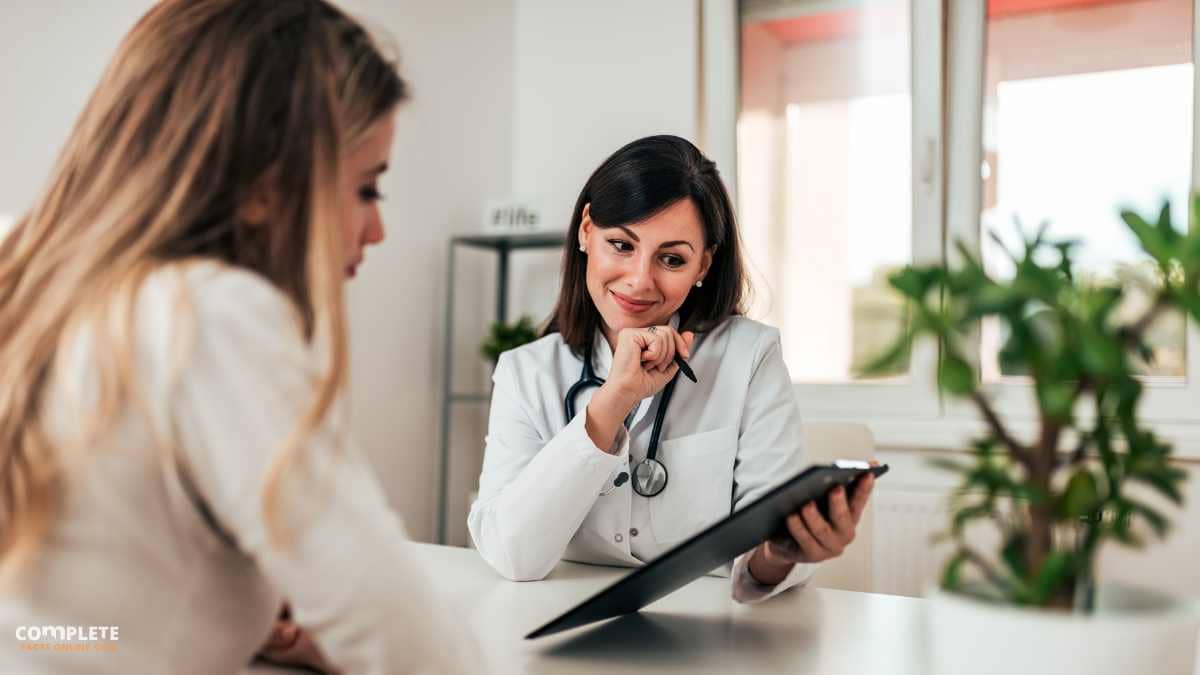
(643,363)
(813,537)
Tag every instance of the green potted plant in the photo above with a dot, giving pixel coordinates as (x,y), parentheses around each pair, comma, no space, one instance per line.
(504,336)
(1052,500)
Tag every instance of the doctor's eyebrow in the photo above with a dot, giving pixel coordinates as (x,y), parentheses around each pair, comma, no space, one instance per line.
(665,244)
(669,244)
(629,232)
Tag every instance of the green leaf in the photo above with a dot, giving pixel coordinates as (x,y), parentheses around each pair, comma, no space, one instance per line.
(896,355)
(947,464)
(1081,497)
(503,337)
(1013,555)
(1165,480)
(1156,520)
(915,282)
(1120,526)
(1057,399)
(956,376)
(969,513)
(1165,228)
(1102,353)
(1056,570)
(995,299)
(1148,235)
(952,574)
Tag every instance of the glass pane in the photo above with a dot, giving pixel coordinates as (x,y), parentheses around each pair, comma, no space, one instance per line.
(825,176)
(1088,109)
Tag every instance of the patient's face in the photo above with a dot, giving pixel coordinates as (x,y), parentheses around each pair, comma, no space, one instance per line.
(639,274)
(362,225)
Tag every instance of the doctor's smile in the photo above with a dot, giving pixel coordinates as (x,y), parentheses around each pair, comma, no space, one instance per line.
(630,305)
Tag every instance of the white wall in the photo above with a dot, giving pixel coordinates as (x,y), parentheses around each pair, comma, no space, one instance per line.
(452,152)
(588,78)
(53,54)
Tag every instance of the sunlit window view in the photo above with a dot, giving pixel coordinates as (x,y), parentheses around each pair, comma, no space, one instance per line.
(825,176)
(1088,108)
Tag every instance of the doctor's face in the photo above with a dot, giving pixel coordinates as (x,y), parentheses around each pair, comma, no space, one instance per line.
(639,274)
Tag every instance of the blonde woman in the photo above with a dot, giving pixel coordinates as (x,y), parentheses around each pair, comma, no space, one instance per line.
(173,350)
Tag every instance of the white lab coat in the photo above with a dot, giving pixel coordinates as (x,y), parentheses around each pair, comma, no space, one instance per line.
(725,441)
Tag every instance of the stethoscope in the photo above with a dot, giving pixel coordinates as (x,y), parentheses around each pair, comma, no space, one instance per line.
(650,475)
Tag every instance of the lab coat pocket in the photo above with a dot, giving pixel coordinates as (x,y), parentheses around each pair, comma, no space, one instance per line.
(699,488)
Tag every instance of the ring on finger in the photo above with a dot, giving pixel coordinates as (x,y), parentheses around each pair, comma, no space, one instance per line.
(650,329)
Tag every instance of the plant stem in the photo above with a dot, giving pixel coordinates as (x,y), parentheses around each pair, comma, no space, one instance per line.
(1137,328)
(986,567)
(1041,508)
(1015,448)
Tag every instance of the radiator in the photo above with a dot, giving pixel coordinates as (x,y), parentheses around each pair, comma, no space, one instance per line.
(904,559)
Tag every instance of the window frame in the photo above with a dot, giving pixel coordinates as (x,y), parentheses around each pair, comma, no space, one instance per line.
(948,44)
(915,396)
(1173,408)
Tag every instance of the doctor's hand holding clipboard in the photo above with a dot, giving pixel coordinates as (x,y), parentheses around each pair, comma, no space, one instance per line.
(651,407)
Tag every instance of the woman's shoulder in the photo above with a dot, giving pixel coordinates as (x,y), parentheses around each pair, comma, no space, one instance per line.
(215,292)
(213,281)
(190,309)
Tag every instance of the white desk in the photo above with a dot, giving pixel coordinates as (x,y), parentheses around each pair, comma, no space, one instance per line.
(697,629)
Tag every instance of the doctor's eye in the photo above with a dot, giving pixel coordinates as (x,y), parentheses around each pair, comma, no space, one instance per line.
(620,245)
(673,261)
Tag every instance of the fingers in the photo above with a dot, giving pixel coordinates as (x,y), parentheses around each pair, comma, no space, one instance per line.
(283,635)
(667,335)
(811,550)
(821,530)
(683,344)
(862,494)
(659,344)
(840,516)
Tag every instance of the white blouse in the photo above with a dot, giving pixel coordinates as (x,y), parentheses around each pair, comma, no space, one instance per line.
(547,492)
(170,546)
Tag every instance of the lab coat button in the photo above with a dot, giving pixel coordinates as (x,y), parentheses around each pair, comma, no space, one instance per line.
(619,538)
(633,531)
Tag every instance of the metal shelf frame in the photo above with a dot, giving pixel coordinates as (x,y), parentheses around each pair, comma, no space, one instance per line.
(502,245)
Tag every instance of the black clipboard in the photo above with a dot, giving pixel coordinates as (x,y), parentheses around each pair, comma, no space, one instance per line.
(712,547)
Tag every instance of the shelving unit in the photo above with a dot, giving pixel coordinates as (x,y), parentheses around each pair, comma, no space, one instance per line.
(502,245)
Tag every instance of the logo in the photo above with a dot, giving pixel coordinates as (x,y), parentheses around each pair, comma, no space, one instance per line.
(68,638)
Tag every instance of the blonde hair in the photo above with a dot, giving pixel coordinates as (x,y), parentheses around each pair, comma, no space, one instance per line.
(206,103)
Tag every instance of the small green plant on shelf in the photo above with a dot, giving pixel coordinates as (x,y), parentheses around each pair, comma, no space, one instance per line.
(1056,498)
(503,337)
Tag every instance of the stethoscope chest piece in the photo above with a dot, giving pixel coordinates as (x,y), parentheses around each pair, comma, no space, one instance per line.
(649,477)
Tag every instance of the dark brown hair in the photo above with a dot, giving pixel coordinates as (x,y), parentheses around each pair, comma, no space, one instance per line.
(635,183)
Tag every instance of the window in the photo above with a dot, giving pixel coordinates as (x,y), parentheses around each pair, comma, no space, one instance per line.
(1087,109)
(873,133)
(825,176)
(838,184)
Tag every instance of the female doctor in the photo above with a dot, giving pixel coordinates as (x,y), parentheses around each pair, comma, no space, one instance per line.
(598,450)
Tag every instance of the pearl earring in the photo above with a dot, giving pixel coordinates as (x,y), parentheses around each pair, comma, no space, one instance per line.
(699,284)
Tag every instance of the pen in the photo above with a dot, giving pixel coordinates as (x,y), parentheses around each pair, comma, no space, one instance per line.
(685,368)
